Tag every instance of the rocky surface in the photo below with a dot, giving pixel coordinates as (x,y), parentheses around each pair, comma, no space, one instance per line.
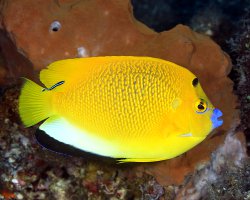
(36,33)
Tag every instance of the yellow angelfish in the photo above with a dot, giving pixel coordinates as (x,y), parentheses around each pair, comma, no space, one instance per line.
(140,109)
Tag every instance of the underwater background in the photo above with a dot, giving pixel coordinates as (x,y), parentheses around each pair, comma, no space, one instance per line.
(194,34)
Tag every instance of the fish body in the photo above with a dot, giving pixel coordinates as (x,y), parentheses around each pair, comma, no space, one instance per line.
(140,109)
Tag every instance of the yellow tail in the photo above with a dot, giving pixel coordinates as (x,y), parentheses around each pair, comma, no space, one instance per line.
(34,103)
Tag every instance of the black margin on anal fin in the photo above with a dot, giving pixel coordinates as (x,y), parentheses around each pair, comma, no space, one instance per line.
(61,148)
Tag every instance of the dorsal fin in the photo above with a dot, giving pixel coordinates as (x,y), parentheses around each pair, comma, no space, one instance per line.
(71,69)
(63,70)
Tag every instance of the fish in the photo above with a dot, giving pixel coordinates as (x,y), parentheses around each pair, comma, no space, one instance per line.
(132,109)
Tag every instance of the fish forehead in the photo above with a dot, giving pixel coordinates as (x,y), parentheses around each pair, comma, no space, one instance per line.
(128,98)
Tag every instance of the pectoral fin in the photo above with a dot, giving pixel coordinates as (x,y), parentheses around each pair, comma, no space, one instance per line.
(186,135)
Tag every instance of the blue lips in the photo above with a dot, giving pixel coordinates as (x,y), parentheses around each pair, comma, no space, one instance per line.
(215,118)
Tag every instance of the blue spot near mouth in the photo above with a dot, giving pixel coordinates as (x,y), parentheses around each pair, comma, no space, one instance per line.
(215,118)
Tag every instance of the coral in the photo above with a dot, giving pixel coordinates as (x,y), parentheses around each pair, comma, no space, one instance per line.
(13,65)
(226,162)
(151,190)
(239,49)
(233,184)
(121,35)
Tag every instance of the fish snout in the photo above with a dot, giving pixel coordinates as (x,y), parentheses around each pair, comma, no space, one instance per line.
(216,118)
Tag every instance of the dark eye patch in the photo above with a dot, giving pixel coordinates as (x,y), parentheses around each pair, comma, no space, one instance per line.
(195,82)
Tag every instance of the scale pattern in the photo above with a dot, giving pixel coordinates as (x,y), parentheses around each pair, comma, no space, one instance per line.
(125,99)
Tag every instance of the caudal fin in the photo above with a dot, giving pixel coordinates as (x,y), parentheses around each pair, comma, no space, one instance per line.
(34,103)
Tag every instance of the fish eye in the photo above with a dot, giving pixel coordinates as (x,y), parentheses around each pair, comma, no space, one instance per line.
(55,26)
(195,82)
(201,106)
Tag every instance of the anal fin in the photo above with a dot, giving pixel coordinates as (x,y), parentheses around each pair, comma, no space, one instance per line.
(65,132)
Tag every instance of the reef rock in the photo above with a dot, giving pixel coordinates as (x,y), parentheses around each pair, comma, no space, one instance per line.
(45,31)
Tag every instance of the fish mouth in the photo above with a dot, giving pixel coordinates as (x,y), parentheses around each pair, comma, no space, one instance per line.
(217,118)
